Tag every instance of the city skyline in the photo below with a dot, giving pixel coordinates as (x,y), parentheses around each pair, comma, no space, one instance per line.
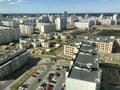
(58,6)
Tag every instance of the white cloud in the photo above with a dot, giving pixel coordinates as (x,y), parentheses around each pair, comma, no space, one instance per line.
(19,1)
(16,2)
(5,0)
(13,3)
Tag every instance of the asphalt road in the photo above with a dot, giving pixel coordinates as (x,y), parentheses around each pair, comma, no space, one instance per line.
(7,83)
(61,81)
(35,84)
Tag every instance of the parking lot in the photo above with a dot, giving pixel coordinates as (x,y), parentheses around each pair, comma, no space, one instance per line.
(50,81)
(53,78)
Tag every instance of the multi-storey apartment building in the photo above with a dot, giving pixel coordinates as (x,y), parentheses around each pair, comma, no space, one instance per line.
(9,23)
(83,25)
(105,44)
(47,27)
(12,61)
(8,35)
(70,50)
(84,72)
(26,30)
(60,23)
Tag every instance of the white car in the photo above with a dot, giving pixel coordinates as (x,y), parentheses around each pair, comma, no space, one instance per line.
(55,79)
(22,87)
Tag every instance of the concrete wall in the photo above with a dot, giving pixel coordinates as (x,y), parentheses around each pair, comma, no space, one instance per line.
(75,84)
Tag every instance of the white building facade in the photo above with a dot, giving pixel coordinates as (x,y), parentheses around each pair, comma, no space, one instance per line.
(60,23)
(47,27)
(83,25)
(8,35)
(26,30)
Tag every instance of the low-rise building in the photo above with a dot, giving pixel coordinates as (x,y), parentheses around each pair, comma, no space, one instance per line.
(105,44)
(70,50)
(35,44)
(46,44)
(24,43)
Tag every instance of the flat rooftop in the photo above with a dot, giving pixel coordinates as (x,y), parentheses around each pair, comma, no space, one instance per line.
(83,75)
(4,58)
(85,66)
(104,39)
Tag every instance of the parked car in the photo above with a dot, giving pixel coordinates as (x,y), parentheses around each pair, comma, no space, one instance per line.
(61,88)
(51,75)
(39,80)
(55,79)
(58,69)
(48,79)
(49,87)
(43,85)
(22,87)
(57,74)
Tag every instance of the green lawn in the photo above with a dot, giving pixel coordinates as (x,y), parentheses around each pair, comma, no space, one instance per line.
(56,51)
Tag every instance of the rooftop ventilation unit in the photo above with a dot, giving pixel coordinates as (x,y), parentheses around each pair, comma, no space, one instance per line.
(80,43)
(89,65)
(78,47)
(98,38)
(96,60)
(85,69)
(74,56)
(106,39)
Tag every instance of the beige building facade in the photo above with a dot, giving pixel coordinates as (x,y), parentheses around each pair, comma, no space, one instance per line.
(70,50)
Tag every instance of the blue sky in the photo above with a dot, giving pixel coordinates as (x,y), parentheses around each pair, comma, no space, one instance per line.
(58,6)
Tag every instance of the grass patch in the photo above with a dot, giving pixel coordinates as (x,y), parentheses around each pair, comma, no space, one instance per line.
(62,58)
(56,51)
(101,61)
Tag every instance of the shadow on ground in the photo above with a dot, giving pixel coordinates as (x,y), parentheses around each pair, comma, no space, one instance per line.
(27,66)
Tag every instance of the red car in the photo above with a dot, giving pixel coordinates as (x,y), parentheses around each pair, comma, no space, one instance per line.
(49,87)
(48,79)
